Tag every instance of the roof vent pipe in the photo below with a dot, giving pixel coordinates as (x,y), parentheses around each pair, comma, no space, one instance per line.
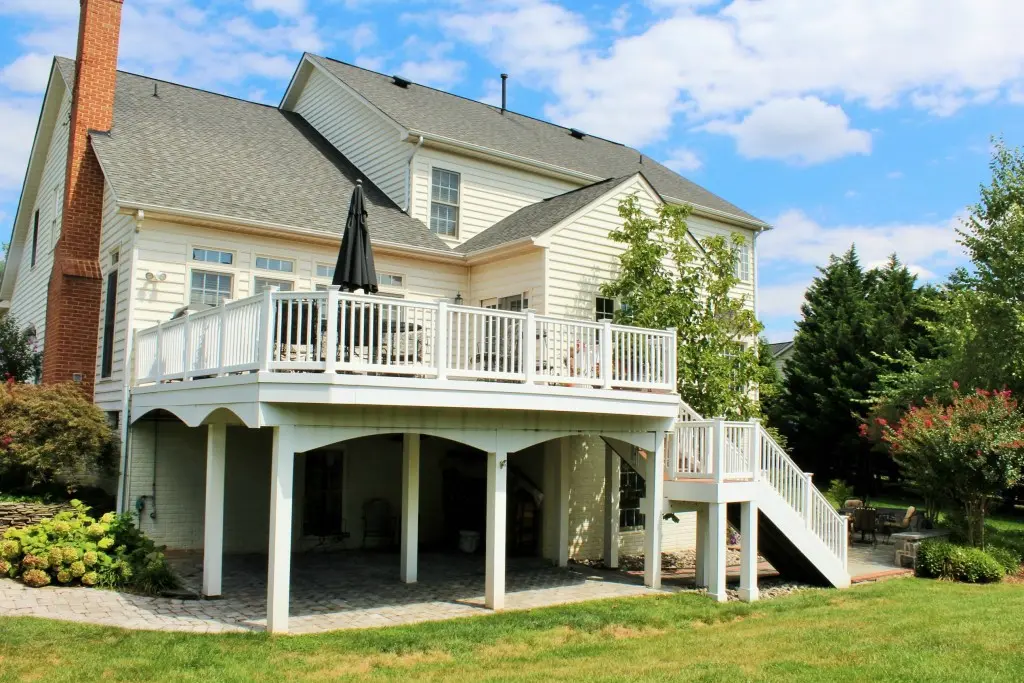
(504,92)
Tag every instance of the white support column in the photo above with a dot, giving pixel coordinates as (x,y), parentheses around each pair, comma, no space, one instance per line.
(564,477)
(282,471)
(497,484)
(700,568)
(716,551)
(410,506)
(748,551)
(612,468)
(654,482)
(213,525)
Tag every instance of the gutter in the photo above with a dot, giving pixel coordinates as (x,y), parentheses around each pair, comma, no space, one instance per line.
(155,210)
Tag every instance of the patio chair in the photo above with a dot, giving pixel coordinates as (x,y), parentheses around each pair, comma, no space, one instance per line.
(378,522)
(901,525)
(864,521)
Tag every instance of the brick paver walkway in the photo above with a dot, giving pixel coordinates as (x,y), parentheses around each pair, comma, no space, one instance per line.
(329,591)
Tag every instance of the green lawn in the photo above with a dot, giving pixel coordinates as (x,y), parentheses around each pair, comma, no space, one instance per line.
(905,630)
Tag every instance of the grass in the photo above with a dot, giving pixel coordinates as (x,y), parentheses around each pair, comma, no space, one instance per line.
(906,629)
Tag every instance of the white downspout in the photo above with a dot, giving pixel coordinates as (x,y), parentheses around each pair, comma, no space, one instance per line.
(128,373)
(408,176)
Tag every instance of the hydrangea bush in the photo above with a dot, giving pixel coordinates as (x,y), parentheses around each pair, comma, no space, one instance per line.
(73,548)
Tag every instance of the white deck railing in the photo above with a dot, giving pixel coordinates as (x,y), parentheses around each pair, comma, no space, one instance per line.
(722,451)
(335,332)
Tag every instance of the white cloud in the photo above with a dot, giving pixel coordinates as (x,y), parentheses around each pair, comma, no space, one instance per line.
(721,60)
(27,73)
(19,118)
(290,8)
(894,175)
(799,240)
(781,299)
(850,194)
(435,69)
(362,36)
(683,160)
(803,130)
(619,19)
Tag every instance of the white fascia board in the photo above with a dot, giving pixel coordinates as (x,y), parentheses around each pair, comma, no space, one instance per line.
(298,82)
(56,88)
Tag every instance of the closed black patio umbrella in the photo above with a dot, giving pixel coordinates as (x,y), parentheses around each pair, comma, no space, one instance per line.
(355,269)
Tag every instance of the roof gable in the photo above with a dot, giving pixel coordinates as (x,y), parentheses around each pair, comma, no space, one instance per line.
(421,109)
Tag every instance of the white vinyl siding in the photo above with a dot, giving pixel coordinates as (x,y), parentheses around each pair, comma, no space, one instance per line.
(117,235)
(704,227)
(488,191)
(361,134)
(166,247)
(519,275)
(28,300)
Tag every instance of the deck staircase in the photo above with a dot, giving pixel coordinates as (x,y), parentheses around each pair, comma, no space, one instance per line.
(799,532)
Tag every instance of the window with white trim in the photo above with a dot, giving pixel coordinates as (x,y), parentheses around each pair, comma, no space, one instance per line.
(604,308)
(325,271)
(278,265)
(209,288)
(213,256)
(743,262)
(262,284)
(631,490)
(390,280)
(444,202)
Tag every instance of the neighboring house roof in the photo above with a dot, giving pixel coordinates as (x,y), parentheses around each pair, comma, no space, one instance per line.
(779,348)
(534,219)
(422,109)
(198,151)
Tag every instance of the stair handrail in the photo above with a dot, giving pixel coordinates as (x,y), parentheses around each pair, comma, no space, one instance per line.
(797,488)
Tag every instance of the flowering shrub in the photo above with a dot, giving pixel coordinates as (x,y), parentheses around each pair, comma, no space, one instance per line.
(73,547)
(941,560)
(52,431)
(964,454)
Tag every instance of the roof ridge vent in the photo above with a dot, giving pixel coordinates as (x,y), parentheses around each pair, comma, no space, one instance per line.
(578,134)
(400,82)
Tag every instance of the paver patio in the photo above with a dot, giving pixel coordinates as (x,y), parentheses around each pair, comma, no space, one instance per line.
(329,592)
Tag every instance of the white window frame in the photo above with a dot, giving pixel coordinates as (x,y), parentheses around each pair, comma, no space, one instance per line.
(268,259)
(743,268)
(328,266)
(273,282)
(207,271)
(391,287)
(598,312)
(457,205)
(192,256)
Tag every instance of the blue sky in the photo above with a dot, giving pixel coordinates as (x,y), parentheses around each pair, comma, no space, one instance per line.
(845,121)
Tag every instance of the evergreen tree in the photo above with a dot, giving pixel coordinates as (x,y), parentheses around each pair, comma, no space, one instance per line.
(830,374)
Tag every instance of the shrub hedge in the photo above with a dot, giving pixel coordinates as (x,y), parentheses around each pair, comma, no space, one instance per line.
(73,548)
(942,560)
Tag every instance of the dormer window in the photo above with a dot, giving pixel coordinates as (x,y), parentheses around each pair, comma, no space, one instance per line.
(444,203)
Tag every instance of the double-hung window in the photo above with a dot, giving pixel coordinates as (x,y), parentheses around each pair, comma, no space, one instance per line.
(743,262)
(444,202)
(631,490)
(209,288)
(604,308)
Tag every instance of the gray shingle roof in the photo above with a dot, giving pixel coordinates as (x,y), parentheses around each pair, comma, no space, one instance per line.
(433,111)
(779,347)
(194,150)
(534,219)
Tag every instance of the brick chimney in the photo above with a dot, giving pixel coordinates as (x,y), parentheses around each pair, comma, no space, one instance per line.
(73,297)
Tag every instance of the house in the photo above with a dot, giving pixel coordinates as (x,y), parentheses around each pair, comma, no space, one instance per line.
(781,353)
(173,250)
